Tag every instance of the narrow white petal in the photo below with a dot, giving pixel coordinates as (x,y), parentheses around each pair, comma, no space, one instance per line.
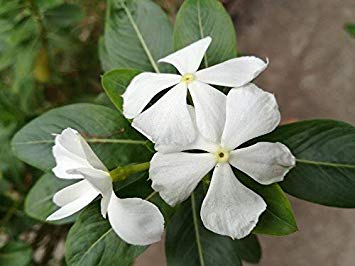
(229,207)
(143,88)
(101,182)
(92,158)
(74,206)
(265,162)
(72,151)
(136,221)
(189,58)
(72,192)
(105,201)
(168,121)
(234,72)
(176,175)
(99,179)
(210,106)
(251,112)
(200,143)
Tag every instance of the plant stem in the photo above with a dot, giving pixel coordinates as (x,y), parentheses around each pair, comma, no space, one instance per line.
(122,172)
(197,232)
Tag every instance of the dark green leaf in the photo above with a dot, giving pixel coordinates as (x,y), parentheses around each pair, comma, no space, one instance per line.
(39,204)
(278,218)
(15,254)
(137,34)
(350,28)
(186,246)
(115,82)
(200,18)
(109,134)
(325,169)
(91,241)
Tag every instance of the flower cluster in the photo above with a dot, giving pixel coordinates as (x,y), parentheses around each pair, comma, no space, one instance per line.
(192,136)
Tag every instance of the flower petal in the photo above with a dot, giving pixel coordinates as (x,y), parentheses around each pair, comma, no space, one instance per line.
(210,106)
(136,221)
(99,179)
(105,201)
(143,88)
(200,143)
(229,207)
(235,72)
(189,58)
(175,175)
(265,162)
(72,192)
(251,112)
(168,121)
(74,206)
(72,151)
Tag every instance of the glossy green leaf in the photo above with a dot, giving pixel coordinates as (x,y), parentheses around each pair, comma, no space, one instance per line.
(325,161)
(39,204)
(107,131)
(278,218)
(139,186)
(200,18)
(115,83)
(189,243)
(137,34)
(91,241)
(350,28)
(15,254)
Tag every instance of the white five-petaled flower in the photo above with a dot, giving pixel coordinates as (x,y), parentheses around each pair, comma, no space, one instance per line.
(229,207)
(136,221)
(169,121)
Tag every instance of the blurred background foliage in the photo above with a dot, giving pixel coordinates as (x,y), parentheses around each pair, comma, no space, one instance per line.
(48,57)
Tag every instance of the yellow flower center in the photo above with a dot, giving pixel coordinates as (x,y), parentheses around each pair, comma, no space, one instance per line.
(188,78)
(221,155)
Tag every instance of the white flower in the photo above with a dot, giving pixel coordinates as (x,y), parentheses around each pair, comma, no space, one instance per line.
(168,120)
(136,221)
(229,207)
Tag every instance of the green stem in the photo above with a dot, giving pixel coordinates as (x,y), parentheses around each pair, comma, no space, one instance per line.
(197,232)
(122,172)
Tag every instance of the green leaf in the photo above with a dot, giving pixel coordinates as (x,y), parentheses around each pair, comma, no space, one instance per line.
(188,242)
(108,132)
(115,82)
(325,161)
(15,254)
(91,241)
(350,28)
(278,218)
(200,18)
(64,15)
(39,204)
(139,186)
(137,34)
